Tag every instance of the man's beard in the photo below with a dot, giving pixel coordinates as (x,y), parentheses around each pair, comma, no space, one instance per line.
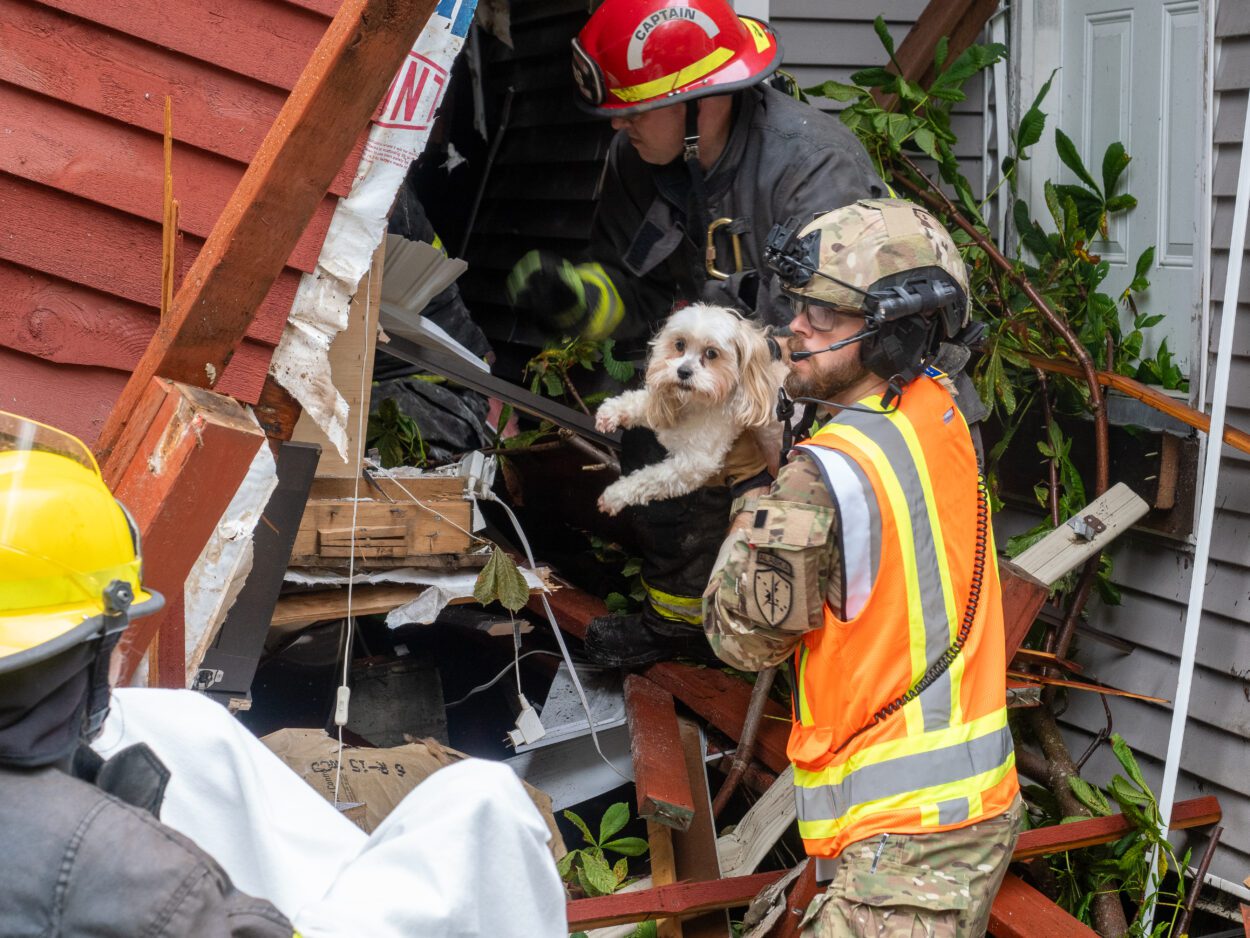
(824,382)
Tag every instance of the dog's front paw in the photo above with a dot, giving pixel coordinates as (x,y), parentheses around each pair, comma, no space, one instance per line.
(611,417)
(612,502)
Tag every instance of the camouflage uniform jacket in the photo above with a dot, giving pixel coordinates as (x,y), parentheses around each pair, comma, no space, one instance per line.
(793,531)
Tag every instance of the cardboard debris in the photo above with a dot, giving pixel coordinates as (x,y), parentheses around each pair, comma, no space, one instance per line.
(378,778)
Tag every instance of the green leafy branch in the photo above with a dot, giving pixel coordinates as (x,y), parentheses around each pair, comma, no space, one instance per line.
(587,867)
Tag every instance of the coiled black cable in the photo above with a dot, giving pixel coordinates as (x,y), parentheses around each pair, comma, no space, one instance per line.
(947,658)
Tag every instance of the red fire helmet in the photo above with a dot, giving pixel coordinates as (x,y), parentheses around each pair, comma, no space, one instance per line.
(635,55)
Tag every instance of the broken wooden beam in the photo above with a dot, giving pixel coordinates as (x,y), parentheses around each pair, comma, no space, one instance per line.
(722,700)
(667,901)
(1023,598)
(798,899)
(1057,838)
(1020,911)
(313,134)
(660,777)
(186,453)
(695,849)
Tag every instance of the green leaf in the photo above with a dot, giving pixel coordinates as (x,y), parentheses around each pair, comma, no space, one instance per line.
(875,77)
(924,139)
(1114,162)
(580,825)
(1144,263)
(619,370)
(616,603)
(940,51)
(620,869)
(1121,203)
(1123,792)
(1033,122)
(946,94)
(835,90)
(884,35)
(649,929)
(565,863)
(500,581)
(552,384)
(1149,321)
(1072,159)
(1055,206)
(616,817)
(1089,796)
(629,846)
(599,875)
(1123,754)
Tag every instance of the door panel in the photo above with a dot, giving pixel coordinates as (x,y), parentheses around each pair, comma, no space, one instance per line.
(1132,71)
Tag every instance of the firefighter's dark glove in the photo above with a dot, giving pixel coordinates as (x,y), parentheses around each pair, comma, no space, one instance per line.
(571,299)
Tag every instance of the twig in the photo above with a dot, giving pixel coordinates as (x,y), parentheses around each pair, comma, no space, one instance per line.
(522,450)
(568,384)
(602,457)
(1052,463)
(935,198)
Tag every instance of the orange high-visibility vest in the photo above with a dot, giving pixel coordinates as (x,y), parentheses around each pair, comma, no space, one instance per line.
(905,485)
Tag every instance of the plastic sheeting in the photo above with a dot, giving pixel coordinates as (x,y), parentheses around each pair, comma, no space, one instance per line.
(464,854)
(398,136)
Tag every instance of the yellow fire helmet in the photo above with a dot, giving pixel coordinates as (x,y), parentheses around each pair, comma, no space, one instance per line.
(69,552)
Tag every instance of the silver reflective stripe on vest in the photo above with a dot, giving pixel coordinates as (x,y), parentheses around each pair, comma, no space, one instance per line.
(935,701)
(905,774)
(859,522)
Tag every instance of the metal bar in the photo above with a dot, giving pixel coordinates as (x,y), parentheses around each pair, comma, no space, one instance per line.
(464,374)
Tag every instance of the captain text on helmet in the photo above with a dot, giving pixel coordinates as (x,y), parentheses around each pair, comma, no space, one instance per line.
(870,564)
(703,142)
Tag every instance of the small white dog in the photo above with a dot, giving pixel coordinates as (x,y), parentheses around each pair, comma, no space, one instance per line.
(710,377)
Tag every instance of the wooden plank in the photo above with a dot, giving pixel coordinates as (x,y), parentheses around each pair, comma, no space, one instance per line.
(1043,841)
(93,158)
(663,871)
(694,849)
(1020,911)
(345,78)
(660,901)
(73,325)
(798,899)
(270,45)
(46,230)
(660,778)
(1023,598)
(189,451)
(1062,550)
(437,529)
(424,488)
(722,700)
(751,839)
(960,21)
(351,356)
(717,697)
(1245,918)
(366,533)
(115,75)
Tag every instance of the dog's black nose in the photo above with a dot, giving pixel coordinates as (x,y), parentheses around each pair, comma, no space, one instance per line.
(685,372)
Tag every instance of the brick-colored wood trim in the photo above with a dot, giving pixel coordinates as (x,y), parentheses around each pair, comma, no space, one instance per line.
(1020,911)
(660,777)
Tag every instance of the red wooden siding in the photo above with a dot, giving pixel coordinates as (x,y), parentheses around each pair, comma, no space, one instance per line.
(82,89)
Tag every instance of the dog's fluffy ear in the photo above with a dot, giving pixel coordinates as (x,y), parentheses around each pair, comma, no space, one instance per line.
(757,386)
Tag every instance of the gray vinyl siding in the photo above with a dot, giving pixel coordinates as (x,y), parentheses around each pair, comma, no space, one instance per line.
(832,39)
(1154,573)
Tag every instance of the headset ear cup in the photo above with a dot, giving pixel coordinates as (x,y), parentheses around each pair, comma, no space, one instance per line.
(899,348)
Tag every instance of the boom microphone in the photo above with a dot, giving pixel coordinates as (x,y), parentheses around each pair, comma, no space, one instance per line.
(857,337)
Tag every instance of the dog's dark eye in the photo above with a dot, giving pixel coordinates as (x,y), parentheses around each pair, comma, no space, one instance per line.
(680,345)
(711,353)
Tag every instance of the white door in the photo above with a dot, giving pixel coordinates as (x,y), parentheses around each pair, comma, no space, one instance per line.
(1132,71)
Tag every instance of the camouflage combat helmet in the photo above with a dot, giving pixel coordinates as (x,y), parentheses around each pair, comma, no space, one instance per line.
(874,239)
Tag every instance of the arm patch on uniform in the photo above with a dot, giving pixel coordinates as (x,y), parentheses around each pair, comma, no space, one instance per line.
(773,585)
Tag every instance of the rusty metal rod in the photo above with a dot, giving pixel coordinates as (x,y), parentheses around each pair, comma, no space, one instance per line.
(746,743)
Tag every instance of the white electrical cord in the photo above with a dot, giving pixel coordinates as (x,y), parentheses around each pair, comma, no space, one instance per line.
(343,694)
(555,628)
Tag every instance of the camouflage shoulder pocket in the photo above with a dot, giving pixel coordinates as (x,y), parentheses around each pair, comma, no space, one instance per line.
(781,582)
